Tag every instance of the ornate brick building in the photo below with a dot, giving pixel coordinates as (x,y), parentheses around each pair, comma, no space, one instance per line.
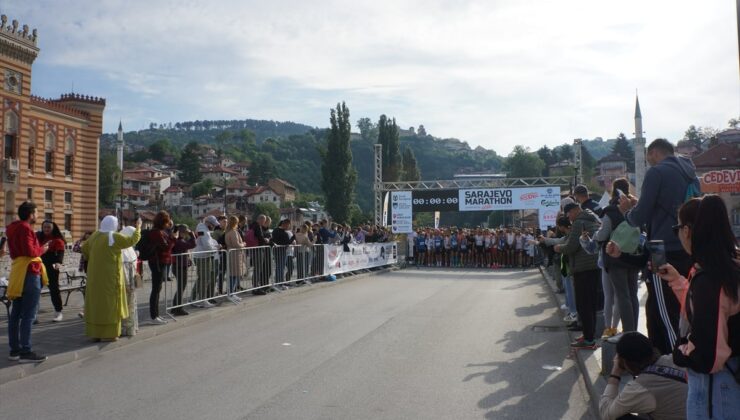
(50,146)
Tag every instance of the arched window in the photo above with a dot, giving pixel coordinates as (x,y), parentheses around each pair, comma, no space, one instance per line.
(49,146)
(11,136)
(69,150)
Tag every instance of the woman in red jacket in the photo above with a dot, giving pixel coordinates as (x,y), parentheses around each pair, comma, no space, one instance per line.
(53,259)
(162,242)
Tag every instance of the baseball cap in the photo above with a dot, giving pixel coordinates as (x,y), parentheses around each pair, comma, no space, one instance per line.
(211,220)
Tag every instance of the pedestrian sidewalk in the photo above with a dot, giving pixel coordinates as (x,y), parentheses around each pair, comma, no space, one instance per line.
(590,361)
(65,342)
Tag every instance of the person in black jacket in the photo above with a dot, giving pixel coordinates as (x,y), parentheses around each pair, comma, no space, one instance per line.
(580,192)
(281,240)
(259,257)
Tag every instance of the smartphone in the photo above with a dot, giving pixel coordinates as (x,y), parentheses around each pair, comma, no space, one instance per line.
(657,254)
(620,193)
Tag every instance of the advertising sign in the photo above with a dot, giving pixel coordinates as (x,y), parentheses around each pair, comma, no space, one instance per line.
(401,214)
(723,181)
(544,199)
(338,260)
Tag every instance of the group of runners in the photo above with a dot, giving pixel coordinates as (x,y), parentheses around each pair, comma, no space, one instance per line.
(481,248)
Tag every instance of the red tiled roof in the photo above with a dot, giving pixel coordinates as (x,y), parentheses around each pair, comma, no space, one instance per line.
(719,156)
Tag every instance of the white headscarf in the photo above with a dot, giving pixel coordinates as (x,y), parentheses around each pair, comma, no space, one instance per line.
(109,225)
(128,254)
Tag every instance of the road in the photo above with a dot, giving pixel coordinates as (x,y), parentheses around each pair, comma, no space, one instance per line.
(409,344)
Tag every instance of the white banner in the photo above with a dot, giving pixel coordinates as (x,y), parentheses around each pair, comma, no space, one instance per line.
(402,218)
(546,200)
(337,260)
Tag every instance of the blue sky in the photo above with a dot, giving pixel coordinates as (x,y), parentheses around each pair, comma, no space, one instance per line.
(492,73)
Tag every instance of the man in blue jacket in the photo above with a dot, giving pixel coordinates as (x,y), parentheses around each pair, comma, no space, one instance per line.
(664,190)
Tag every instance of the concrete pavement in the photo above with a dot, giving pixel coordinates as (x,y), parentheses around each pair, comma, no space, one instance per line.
(440,344)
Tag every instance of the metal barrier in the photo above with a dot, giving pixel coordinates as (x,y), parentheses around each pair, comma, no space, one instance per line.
(201,277)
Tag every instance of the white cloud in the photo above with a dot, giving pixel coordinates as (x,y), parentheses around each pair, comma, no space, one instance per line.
(491,73)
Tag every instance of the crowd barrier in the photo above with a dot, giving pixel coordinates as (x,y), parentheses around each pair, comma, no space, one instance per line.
(197,278)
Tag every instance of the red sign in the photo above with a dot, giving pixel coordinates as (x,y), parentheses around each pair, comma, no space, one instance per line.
(726,180)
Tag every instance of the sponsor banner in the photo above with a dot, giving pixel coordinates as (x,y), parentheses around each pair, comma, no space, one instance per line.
(722,181)
(338,259)
(546,200)
(435,200)
(486,199)
(401,214)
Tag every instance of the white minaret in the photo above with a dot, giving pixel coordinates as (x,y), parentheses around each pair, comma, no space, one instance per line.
(119,146)
(639,146)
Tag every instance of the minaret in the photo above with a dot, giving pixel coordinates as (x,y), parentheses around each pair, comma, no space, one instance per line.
(639,146)
(119,146)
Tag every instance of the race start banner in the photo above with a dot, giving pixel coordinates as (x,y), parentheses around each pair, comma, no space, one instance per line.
(338,259)
(546,200)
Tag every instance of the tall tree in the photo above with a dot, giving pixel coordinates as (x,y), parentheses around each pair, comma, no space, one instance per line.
(623,148)
(410,169)
(338,176)
(733,122)
(110,181)
(547,156)
(694,136)
(190,163)
(524,164)
(388,137)
(160,148)
(263,168)
(368,130)
(421,131)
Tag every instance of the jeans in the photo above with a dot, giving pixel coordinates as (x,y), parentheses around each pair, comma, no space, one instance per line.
(725,393)
(611,306)
(280,260)
(23,314)
(160,272)
(570,295)
(181,274)
(624,281)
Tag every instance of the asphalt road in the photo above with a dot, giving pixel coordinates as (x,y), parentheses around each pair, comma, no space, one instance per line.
(411,344)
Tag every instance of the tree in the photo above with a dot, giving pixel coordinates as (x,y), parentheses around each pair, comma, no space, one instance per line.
(623,149)
(548,157)
(388,137)
(202,188)
(523,164)
(190,163)
(368,130)
(263,168)
(338,177)
(268,209)
(733,122)
(563,152)
(110,179)
(160,148)
(421,131)
(410,169)
(693,135)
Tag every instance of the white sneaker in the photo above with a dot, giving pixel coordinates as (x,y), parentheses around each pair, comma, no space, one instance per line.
(234,299)
(159,321)
(564,307)
(57,317)
(206,304)
(571,318)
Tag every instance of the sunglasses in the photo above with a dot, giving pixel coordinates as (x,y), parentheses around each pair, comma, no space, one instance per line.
(676,228)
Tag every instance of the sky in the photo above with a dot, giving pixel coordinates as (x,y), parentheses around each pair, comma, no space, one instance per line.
(493,73)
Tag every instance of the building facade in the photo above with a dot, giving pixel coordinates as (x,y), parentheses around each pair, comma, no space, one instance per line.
(50,146)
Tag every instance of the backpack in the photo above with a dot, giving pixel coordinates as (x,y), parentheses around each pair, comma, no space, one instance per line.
(693,190)
(145,246)
(250,240)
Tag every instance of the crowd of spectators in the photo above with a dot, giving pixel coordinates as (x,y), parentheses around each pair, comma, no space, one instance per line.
(687,255)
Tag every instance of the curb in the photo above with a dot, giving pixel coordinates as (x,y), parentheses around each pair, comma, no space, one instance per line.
(20,371)
(587,362)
